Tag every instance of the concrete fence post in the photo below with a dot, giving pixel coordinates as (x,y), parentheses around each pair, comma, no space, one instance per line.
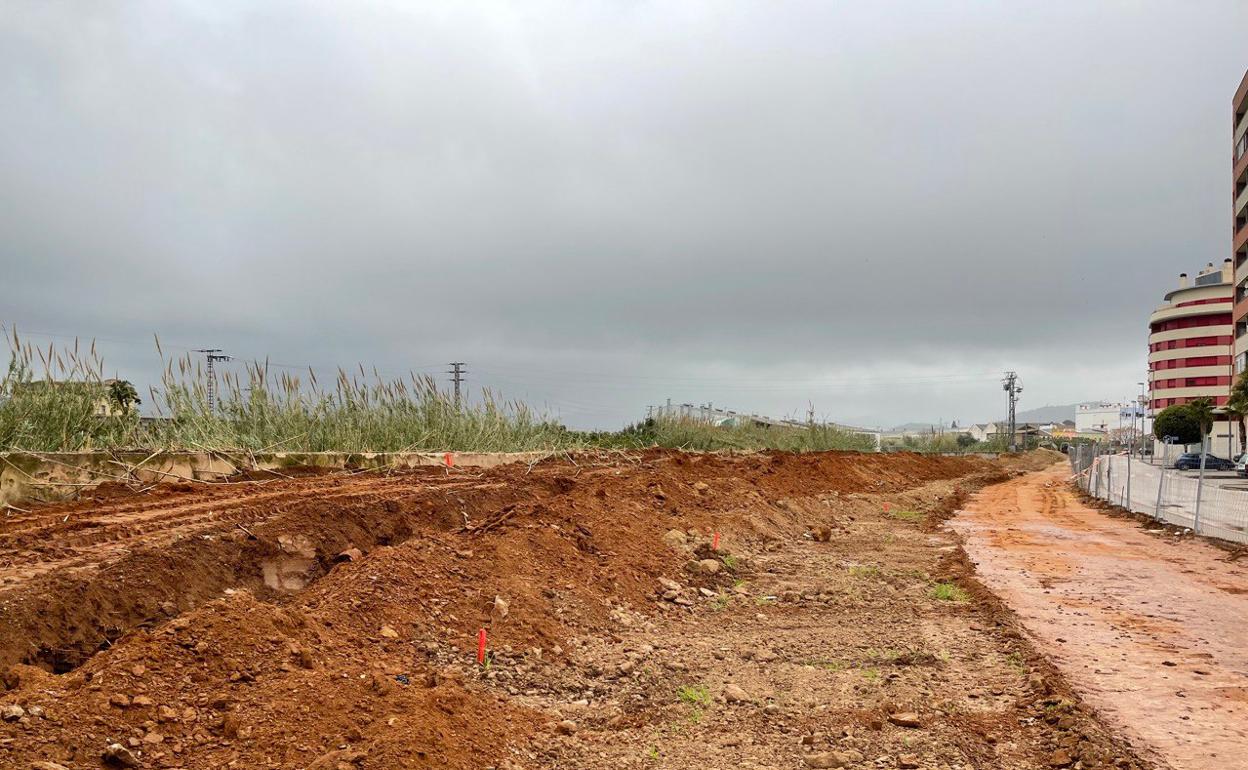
(1200,486)
(1127,493)
(1109,478)
(1161,480)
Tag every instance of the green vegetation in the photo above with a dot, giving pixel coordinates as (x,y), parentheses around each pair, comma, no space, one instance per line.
(864,571)
(908,515)
(694,695)
(957,443)
(699,435)
(254,411)
(1184,422)
(59,400)
(948,592)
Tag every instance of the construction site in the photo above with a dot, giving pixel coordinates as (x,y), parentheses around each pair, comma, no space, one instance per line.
(725,385)
(654,609)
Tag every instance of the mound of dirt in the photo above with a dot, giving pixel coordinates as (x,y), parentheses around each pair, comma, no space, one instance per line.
(333,621)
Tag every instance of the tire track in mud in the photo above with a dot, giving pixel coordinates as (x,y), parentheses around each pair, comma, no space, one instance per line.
(92,539)
(145,560)
(1142,626)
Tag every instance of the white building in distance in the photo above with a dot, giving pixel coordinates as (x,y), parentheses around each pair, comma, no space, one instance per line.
(1105,416)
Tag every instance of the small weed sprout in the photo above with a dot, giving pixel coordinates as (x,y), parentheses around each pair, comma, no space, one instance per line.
(948,592)
(694,695)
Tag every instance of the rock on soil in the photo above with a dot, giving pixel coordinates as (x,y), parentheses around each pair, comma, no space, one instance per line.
(735,694)
(905,719)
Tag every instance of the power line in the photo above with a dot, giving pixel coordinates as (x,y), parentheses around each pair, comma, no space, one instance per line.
(736,384)
(420,369)
(553,375)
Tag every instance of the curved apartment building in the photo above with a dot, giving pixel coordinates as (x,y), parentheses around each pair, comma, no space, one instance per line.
(1191,342)
(1239,221)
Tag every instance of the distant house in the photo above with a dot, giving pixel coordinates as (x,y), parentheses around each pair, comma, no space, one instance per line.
(982,431)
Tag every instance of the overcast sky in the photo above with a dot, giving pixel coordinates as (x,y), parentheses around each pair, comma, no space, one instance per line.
(874,207)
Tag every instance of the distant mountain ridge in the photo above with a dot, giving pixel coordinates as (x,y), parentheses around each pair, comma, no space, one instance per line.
(1046,414)
(1041,414)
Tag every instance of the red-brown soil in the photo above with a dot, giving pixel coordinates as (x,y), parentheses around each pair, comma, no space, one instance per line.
(209,626)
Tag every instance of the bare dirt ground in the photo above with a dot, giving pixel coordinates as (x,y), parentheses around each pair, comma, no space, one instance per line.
(330,623)
(1153,631)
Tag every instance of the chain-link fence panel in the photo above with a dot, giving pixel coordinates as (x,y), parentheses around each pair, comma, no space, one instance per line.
(1215,505)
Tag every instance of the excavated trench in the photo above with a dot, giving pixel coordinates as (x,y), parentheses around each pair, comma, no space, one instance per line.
(59,619)
(76,578)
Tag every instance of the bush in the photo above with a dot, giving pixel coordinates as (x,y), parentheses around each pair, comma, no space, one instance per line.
(1178,422)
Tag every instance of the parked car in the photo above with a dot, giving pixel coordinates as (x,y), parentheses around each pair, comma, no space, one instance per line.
(1241,465)
(1191,461)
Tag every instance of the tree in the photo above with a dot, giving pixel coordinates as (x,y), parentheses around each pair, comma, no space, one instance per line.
(123,395)
(1201,410)
(1237,407)
(1177,422)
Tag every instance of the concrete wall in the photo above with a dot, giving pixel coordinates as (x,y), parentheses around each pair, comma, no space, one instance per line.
(62,476)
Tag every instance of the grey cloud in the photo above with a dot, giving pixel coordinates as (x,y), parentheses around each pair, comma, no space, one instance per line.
(657,199)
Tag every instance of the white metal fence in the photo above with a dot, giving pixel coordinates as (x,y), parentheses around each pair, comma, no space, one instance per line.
(1216,506)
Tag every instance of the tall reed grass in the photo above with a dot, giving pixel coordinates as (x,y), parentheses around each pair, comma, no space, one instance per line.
(254,410)
(59,400)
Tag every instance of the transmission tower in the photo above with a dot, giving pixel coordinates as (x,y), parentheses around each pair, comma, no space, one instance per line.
(1013,387)
(213,355)
(457,373)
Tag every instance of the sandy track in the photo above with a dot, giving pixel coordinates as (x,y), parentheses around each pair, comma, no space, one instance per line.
(1154,633)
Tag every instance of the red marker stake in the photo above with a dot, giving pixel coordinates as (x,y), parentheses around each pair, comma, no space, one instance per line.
(481,647)
(450,460)
(715,542)
(887,506)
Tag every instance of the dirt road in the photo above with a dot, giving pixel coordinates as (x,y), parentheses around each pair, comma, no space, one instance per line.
(331,623)
(1153,632)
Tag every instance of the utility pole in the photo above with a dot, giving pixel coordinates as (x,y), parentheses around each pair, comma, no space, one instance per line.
(213,355)
(1012,386)
(457,373)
